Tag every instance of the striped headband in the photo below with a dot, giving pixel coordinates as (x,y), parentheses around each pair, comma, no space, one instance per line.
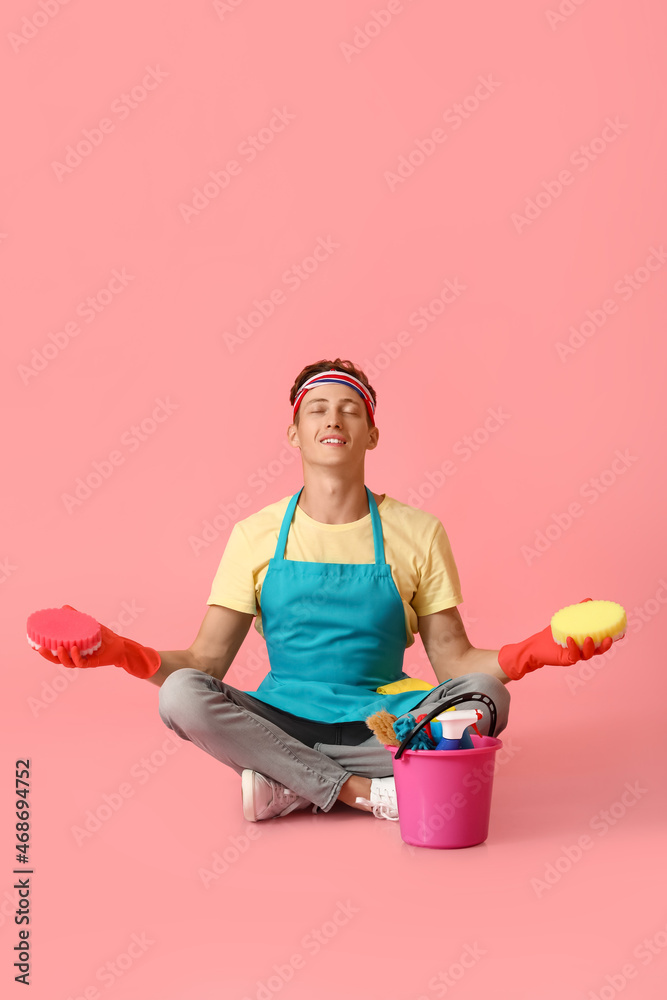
(339,378)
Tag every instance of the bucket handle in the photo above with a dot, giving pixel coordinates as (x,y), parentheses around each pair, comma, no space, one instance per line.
(449,703)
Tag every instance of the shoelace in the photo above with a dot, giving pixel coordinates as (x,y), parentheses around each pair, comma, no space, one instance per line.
(284,797)
(383,810)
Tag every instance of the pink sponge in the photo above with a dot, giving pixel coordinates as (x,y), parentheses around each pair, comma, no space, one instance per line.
(53,627)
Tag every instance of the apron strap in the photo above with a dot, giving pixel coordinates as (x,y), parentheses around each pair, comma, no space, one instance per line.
(284,527)
(378,542)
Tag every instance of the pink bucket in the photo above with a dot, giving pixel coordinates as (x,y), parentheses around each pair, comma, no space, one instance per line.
(444,796)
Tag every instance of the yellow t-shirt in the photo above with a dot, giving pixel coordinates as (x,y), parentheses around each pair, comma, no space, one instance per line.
(416,547)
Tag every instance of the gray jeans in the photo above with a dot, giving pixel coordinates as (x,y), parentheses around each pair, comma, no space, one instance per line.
(313,759)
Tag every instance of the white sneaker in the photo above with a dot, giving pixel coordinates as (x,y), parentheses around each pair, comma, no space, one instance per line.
(382,798)
(264,798)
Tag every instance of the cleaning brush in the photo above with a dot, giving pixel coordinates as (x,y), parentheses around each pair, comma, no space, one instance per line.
(382,724)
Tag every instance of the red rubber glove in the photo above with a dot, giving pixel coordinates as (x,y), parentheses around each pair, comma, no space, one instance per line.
(140,661)
(519,658)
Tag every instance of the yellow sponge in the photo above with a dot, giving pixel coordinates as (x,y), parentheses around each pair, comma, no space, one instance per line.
(598,619)
(405,684)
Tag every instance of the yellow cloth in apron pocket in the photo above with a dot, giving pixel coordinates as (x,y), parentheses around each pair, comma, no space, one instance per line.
(405,684)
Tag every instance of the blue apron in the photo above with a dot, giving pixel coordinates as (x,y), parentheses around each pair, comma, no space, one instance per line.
(334,633)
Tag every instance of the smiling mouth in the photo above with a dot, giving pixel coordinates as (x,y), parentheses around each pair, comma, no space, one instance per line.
(332,442)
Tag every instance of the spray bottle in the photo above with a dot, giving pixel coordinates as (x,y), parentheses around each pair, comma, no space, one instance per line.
(454,725)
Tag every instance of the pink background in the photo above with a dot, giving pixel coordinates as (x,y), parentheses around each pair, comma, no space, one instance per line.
(131,544)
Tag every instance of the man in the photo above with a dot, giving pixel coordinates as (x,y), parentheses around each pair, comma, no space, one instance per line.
(338,580)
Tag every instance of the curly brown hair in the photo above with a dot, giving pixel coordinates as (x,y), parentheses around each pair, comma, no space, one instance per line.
(323,366)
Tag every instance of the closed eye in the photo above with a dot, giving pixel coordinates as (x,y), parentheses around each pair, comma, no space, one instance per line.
(353,410)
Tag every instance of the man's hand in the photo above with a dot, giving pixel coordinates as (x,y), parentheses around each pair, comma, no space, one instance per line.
(539,650)
(140,661)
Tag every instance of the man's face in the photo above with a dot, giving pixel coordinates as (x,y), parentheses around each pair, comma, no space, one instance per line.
(329,412)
